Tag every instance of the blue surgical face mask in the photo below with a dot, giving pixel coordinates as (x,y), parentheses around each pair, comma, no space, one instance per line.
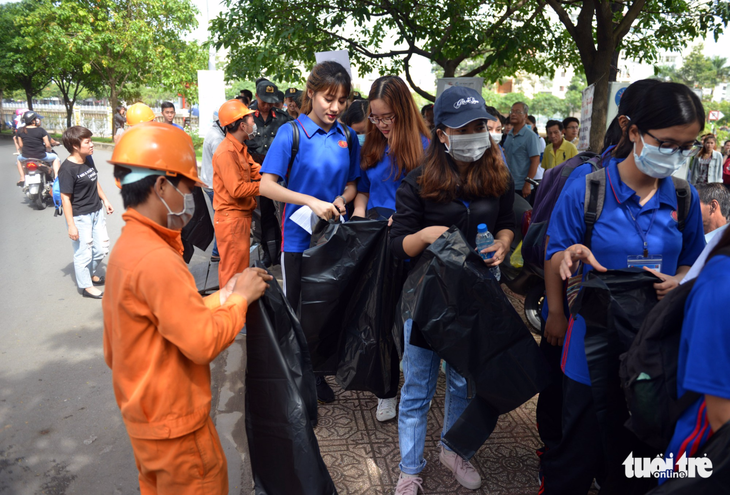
(654,163)
(361,139)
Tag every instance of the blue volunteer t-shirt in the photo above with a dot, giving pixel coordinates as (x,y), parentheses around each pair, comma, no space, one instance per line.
(704,355)
(379,182)
(322,168)
(615,238)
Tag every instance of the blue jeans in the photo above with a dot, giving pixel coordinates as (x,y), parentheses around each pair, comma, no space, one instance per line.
(420,372)
(91,247)
(209,192)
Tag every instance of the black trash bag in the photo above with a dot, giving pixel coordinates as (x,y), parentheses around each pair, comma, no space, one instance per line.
(331,273)
(368,360)
(465,317)
(614,305)
(199,231)
(281,402)
(716,449)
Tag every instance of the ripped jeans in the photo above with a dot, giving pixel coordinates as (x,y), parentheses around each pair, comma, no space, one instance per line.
(91,247)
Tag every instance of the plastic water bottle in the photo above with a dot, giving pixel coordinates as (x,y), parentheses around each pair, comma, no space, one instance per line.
(484,240)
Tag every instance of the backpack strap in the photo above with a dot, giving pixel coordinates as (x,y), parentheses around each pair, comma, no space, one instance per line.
(684,200)
(294,146)
(348,136)
(594,199)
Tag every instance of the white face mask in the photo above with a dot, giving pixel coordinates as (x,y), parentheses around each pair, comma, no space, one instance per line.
(177,221)
(254,131)
(468,147)
(654,163)
(497,136)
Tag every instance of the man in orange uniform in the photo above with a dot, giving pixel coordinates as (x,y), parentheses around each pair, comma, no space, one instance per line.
(235,187)
(159,334)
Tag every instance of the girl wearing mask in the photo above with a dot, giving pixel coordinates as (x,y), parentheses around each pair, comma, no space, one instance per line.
(394,144)
(323,174)
(638,222)
(356,117)
(462,181)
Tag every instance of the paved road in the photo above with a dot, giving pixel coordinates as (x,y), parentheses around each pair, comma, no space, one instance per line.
(60,428)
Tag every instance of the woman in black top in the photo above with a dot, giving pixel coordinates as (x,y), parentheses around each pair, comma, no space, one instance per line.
(84,203)
(463,182)
(35,143)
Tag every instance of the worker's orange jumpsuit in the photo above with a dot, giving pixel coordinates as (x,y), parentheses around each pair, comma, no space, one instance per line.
(159,337)
(234,200)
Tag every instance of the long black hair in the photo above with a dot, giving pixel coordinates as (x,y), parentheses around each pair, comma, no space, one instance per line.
(664,105)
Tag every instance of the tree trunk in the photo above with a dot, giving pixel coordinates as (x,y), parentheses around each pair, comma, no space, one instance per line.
(113,100)
(598,73)
(29,97)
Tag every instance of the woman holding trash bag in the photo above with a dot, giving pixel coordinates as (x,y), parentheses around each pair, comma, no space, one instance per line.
(638,227)
(394,143)
(323,174)
(462,181)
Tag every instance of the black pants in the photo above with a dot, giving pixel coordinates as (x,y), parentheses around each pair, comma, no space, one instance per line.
(270,231)
(550,401)
(570,467)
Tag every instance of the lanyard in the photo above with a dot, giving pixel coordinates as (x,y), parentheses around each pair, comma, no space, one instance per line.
(644,235)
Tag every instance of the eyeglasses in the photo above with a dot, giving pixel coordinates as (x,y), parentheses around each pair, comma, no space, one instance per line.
(668,148)
(518,112)
(384,120)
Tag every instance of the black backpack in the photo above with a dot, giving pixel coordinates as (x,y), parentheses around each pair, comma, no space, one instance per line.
(648,370)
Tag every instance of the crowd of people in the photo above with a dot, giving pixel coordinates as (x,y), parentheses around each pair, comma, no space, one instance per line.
(456,162)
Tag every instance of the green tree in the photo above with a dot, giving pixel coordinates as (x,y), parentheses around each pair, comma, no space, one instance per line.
(487,38)
(696,71)
(128,41)
(720,71)
(598,31)
(25,68)
(548,105)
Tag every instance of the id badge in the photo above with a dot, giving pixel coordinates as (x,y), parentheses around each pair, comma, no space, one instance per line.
(653,261)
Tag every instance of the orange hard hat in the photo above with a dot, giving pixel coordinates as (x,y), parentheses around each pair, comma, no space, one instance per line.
(157,146)
(231,111)
(138,113)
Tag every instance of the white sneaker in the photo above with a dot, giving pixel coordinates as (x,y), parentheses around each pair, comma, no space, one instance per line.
(408,484)
(386,409)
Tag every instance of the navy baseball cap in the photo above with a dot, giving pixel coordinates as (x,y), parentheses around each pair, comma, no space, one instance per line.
(266,90)
(457,106)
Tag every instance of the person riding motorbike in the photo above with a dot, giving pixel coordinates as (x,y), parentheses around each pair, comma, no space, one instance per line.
(35,142)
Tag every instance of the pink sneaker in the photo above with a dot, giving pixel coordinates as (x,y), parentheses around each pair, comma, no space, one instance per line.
(408,484)
(464,472)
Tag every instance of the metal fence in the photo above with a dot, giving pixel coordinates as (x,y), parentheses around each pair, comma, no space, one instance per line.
(98,119)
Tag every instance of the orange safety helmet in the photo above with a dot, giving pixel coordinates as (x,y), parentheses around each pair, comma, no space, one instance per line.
(158,146)
(231,111)
(138,113)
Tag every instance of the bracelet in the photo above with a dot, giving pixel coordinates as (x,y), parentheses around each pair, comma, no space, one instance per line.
(344,202)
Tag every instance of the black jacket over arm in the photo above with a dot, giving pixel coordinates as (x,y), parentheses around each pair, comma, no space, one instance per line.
(414,213)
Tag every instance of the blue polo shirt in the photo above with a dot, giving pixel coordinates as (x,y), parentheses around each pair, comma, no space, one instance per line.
(615,239)
(322,168)
(379,183)
(178,126)
(519,148)
(704,355)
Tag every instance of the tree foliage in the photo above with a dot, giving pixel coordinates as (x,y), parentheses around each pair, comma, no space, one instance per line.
(273,37)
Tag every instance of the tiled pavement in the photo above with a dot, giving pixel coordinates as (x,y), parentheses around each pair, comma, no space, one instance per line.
(362,454)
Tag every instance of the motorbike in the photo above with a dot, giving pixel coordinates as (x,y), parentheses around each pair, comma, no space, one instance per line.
(526,280)
(38,182)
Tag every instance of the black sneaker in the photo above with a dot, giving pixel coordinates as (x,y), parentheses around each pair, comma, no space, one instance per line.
(325,394)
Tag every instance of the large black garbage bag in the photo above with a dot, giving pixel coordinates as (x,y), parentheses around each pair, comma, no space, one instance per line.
(368,359)
(331,276)
(281,402)
(465,317)
(614,305)
(199,231)
(716,450)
